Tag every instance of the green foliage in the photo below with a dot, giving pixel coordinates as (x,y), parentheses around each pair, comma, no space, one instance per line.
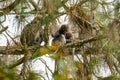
(6,74)
(117,52)
(36,54)
(111,78)
(33,76)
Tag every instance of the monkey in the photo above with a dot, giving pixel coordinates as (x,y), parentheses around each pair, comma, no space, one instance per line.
(63,30)
(32,33)
(31,36)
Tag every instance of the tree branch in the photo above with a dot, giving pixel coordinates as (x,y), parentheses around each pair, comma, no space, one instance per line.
(7,9)
(18,51)
(82,42)
(47,50)
(35,5)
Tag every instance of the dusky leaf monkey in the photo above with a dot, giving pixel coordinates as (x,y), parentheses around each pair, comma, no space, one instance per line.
(32,34)
(63,31)
(31,38)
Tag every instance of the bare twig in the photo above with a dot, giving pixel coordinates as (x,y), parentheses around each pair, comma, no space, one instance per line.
(7,9)
(43,61)
(82,42)
(26,58)
(34,5)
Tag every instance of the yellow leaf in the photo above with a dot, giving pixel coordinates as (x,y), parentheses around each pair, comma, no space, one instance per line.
(44,50)
(1,74)
(6,78)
